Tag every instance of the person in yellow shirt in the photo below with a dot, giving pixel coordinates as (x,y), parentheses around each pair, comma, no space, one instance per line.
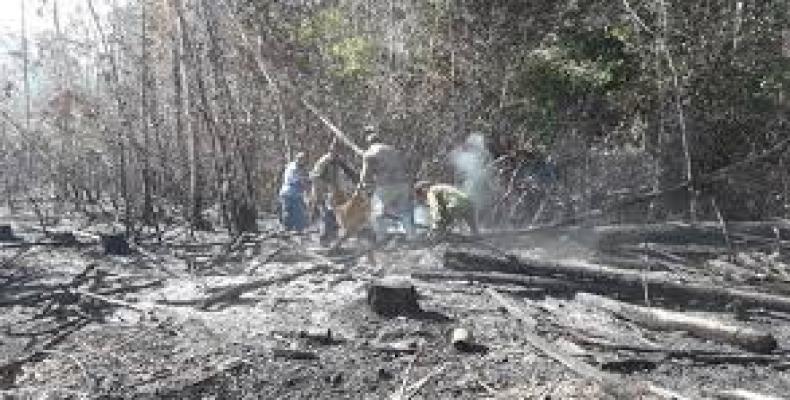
(447,205)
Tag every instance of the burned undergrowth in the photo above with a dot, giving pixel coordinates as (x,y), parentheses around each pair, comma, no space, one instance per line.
(272,315)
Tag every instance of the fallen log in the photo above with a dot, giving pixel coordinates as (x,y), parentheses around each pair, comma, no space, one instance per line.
(673,250)
(63,238)
(660,284)
(111,301)
(741,394)
(667,233)
(696,355)
(291,354)
(233,292)
(611,383)
(538,282)
(705,328)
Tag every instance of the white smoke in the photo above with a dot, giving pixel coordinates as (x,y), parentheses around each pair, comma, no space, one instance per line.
(471,161)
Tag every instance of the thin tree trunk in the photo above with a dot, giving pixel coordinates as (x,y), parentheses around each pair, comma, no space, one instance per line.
(195,178)
(120,110)
(178,94)
(148,209)
(26,72)
(664,49)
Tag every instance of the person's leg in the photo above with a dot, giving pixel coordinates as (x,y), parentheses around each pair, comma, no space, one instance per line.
(471,220)
(286,213)
(444,222)
(329,228)
(299,214)
(400,206)
(377,220)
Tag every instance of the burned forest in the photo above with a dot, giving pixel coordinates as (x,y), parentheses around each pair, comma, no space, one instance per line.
(423,199)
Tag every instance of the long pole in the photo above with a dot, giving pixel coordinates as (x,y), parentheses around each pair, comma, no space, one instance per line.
(340,135)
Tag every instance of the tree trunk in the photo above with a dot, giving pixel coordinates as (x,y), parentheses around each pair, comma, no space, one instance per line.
(195,173)
(148,208)
(26,72)
(121,114)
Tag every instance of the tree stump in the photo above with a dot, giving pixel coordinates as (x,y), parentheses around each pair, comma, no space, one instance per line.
(7,234)
(115,245)
(63,238)
(245,217)
(392,296)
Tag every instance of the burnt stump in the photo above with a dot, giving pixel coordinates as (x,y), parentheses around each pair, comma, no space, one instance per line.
(7,234)
(115,245)
(392,296)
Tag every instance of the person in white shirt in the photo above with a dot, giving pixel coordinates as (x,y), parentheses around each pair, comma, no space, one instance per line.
(384,171)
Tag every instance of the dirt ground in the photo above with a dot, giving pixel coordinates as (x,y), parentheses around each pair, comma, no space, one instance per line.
(262,344)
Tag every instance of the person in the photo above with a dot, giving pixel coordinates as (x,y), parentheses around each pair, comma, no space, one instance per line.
(384,171)
(447,205)
(325,179)
(294,211)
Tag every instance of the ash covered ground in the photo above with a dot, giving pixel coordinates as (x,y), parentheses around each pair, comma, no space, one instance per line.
(81,324)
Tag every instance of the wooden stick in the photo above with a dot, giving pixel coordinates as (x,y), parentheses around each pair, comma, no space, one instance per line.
(340,135)
(110,301)
(415,388)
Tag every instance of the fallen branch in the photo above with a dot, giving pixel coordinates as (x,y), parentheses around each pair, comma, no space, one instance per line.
(233,292)
(111,301)
(294,354)
(414,388)
(697,355)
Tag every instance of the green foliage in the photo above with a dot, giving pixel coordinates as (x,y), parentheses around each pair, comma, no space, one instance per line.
(352,56)
(580,73)
(325,25)
(583,63)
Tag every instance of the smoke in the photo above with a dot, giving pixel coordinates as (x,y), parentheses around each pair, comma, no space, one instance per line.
(470,162)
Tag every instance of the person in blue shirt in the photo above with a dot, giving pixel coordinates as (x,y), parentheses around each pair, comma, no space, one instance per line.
(295,182)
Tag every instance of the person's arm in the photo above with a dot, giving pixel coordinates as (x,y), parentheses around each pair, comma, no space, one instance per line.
(432,201)
(302,179)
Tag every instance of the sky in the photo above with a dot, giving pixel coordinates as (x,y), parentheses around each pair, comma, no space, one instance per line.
(39,13)
(39,18)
